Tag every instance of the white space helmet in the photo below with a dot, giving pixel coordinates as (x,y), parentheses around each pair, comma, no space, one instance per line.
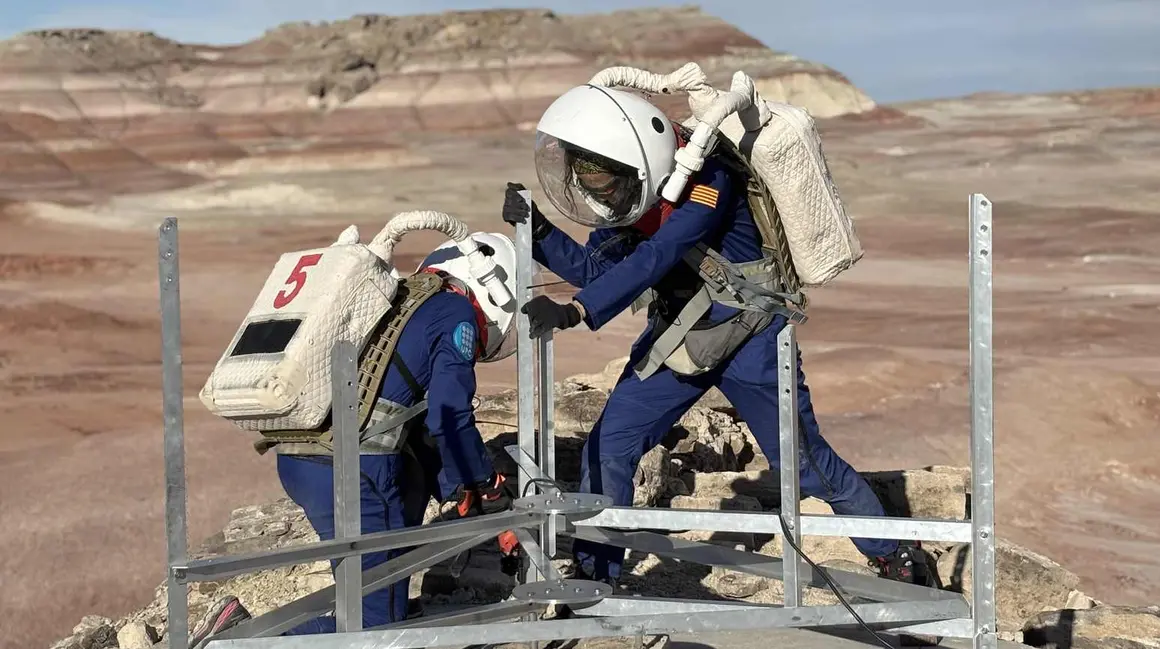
(602,155)
(501,342)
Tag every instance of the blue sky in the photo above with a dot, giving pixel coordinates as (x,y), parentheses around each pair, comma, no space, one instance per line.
(896,50)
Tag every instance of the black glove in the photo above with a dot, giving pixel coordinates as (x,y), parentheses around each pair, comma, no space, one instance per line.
(544,315)
(515,211)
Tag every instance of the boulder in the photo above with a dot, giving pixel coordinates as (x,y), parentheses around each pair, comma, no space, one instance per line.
(731,584)
(137,635)
(578,411)
(921,493)
(93,632)
(1102,627)
(1026,582)
(715,400)
(655,481)
(822,550)
(732,503)
(604,379)
(761,485)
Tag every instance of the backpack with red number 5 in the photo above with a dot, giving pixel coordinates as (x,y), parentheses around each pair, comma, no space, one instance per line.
(275,374)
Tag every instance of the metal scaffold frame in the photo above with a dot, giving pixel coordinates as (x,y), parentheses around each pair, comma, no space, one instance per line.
(886,605)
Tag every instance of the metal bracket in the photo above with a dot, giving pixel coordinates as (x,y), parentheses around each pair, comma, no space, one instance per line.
(567,504)
(567,591)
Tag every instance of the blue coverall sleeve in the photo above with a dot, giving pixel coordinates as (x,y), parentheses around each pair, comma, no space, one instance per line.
(450,415)
(688,224)
(578,265)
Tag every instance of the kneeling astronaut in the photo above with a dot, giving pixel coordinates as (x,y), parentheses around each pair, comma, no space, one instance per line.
(419,358)
(602,156)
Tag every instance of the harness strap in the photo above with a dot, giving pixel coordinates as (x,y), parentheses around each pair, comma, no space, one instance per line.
(388,435)
(417,390)
(729,286)
(673,334)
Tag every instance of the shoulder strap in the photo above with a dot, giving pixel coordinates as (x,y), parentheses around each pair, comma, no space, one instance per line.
(417,390)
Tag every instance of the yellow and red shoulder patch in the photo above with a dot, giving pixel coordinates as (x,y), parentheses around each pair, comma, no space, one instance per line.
(704,194)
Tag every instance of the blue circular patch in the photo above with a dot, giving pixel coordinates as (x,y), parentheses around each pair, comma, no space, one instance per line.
(465,340)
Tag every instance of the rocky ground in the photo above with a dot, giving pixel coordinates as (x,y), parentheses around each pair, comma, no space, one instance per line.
(102,134)
(710,461)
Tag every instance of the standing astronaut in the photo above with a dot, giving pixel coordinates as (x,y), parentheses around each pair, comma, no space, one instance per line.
(602,157)
(417,383)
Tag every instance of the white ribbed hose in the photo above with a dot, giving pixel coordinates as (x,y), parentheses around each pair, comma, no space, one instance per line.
(690,78)
(481,266)
(690,158)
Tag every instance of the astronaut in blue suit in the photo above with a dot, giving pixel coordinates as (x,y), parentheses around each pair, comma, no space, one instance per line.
(433,453)
(601,156)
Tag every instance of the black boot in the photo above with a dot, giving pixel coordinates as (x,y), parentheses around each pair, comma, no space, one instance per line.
(907,564)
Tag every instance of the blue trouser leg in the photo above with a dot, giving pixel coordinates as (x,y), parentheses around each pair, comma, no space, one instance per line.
(309,481)
(636,417)
(750,384)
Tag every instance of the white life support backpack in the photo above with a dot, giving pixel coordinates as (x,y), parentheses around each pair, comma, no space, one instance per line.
(781,144)
(276,372)
(275,375)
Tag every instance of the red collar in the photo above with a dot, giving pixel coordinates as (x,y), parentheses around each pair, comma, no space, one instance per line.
(656,217)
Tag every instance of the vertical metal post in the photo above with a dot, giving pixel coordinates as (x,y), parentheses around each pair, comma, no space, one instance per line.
(547,441)
(347,471)
(525,361)
(787,382)
(173,411)
(982,427)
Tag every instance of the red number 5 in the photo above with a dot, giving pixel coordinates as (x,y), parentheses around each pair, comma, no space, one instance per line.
(297,278)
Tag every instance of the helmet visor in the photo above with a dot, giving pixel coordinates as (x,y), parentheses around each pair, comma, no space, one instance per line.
(505,348)
(586,187)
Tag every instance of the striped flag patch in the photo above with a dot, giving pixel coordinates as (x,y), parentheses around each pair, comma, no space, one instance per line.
(704,195)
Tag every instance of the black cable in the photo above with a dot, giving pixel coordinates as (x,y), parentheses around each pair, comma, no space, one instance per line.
(534,481)
(829,582)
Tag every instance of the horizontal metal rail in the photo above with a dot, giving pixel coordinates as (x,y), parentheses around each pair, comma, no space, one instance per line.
(623,606)
(874,615)
(850,583)
(879,527)
(230,565)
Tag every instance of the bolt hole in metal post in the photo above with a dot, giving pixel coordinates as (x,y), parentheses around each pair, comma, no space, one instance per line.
(347,473)
(173,408)
(981,372)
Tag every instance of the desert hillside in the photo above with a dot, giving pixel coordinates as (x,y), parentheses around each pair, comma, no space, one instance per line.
(278,144)
(88,113)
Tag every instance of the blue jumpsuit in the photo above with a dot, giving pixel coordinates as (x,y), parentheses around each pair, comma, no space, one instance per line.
(438,348)
(615,267)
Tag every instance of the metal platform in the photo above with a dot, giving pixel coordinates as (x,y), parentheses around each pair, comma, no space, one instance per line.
(540,518)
